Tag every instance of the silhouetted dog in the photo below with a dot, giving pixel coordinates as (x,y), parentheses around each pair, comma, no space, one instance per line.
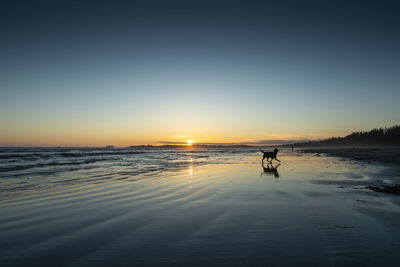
(270,155)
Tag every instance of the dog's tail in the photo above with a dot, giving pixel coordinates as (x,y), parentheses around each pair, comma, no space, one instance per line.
(261,151)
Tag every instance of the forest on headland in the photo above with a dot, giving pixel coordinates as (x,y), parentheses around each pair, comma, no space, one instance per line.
(388,136)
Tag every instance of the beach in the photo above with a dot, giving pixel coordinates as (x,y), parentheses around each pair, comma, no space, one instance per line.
(195,208)
(369,154)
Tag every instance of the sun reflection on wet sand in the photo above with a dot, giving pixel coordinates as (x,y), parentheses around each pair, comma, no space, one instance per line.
(190,172)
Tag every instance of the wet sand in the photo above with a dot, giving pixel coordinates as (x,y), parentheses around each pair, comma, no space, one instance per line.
(308,211)
(386,155)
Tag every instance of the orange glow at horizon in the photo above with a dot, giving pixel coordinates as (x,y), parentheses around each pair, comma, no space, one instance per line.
(123,135)
(84,139)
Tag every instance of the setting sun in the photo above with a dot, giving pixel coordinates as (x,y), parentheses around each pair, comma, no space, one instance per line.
(189,142)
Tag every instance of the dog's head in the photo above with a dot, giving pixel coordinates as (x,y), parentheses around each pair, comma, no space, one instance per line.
(276,150)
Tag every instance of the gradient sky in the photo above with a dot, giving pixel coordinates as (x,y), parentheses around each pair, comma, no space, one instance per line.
(92,73)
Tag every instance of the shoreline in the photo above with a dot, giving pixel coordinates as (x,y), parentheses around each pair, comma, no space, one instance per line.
(369,154)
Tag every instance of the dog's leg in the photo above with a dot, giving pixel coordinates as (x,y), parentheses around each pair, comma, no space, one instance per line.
(277,159)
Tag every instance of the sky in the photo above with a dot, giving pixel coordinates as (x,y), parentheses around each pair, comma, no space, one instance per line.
(95,73)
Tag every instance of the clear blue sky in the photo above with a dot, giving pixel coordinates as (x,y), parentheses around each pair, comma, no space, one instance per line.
(116,72)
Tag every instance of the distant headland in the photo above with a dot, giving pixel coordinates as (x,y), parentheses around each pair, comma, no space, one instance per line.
(388,136)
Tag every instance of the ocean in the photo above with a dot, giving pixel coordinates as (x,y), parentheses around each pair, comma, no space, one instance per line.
(29,169)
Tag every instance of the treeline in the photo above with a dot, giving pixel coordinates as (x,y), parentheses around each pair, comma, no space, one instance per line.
(381,136)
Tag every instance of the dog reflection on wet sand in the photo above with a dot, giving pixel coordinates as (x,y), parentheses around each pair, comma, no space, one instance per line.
(270,169)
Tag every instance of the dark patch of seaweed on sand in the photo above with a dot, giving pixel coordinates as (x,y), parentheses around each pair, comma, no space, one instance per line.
(391,189)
